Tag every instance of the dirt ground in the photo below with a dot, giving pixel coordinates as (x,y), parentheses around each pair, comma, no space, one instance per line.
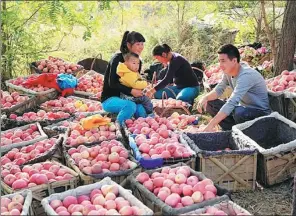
(275,200)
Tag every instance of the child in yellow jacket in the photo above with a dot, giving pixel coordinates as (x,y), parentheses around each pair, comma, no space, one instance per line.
(130,77)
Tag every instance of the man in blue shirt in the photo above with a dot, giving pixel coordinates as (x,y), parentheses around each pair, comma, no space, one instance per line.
(248,100)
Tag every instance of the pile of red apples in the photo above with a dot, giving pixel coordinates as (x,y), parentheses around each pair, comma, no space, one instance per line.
(27,153)
(79,135)
(20,82)
(56,65)
(36,174)
(40,115)
(106,157)
(91,83)
(101,201)
(284,82)
(12,206)
(214,74)
(19,135)
(68,105)
(9,100)
(177,187)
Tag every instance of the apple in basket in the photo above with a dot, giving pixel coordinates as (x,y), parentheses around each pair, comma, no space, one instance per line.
(12,206)
(40,115)
(285,81)
(177,187)
(26,153)
(157,146)
(79,135)
(20,82)
(32,175)
(19,135)
(107,157)
(101,201)
(9,100)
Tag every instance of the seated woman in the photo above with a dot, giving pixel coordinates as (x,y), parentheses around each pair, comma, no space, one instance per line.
(186,86)
(111,101)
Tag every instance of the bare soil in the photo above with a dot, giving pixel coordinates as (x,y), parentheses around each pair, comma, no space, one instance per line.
(275,200)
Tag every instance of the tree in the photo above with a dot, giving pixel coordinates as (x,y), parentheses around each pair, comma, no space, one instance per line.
(287,44)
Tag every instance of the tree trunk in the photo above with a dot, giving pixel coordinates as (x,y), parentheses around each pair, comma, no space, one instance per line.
(287,44)
(268,30)
(259,26)
(6,74)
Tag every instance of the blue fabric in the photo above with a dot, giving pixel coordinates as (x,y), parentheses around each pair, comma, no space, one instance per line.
(242,114)
(124,108)
(67,81)
(187,94)
(144,100)
(140,111)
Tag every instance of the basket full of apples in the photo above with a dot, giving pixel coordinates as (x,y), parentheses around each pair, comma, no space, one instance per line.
(17,203)
(21,136)
(175,189)
(285,84)
(90,85)
(77,134)
(55,65)
(43,179)
(41,116)
(72,104)
(154,143)
(34,153)
(109,158)
(166,106)
(112,198)
(42,93)
(226,207)
(16,102)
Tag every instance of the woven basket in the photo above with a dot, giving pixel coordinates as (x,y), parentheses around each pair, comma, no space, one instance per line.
(40,96)
(43,156)
(83,93)
(34,69)
(43,136)
(275,138)
(159,207)
(57,128)
(27,209)
(234,169)
(41,191)
(159,162)
(168,111)
(86,189)
(117,133)
(43,122)
(118,176)
(53,109)
(21,107)
(229,207)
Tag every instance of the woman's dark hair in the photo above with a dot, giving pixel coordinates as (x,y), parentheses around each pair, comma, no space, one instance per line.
(132,38)
(159,49)
(230,50)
